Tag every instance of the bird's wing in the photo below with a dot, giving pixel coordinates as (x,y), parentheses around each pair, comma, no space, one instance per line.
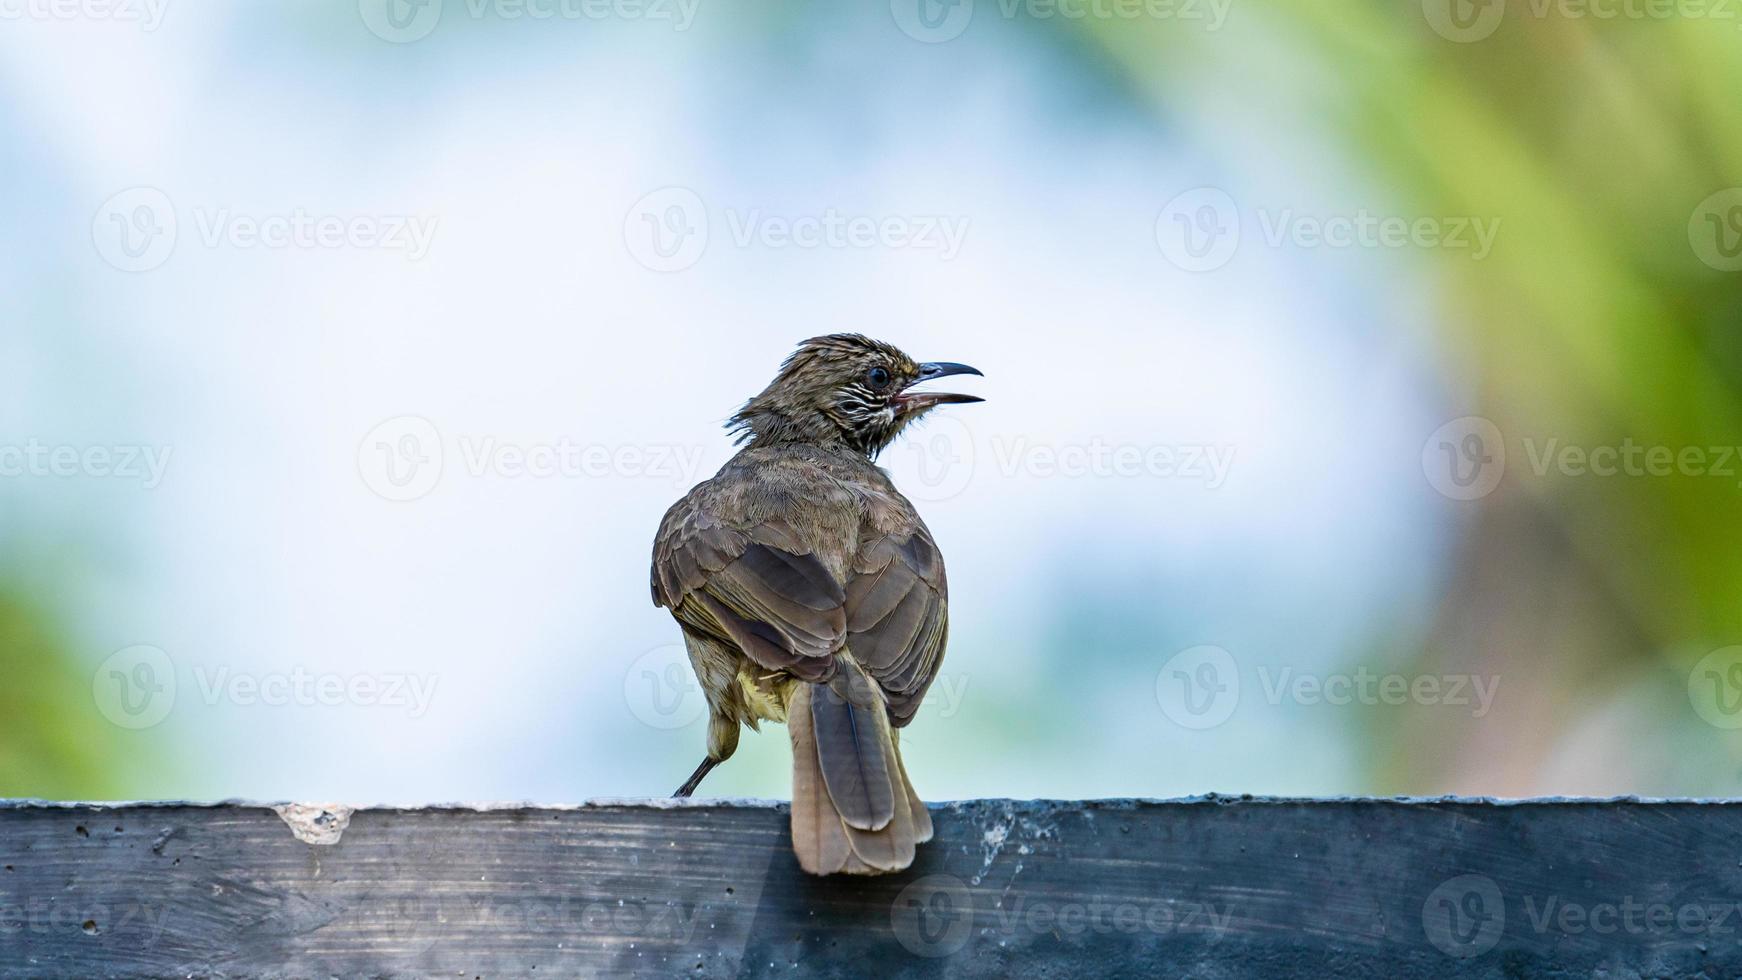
(763,590)
(758,587)
(898,615)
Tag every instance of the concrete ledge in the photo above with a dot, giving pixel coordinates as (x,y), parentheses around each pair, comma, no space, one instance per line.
(1208,887)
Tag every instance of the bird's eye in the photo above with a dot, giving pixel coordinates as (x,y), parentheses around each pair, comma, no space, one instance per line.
(878,377)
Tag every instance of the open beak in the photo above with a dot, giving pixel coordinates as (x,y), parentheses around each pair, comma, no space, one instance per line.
(919,401)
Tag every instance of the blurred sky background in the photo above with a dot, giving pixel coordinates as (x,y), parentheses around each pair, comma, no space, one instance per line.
(293,293)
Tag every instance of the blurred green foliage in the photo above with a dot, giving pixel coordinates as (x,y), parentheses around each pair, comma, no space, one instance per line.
(54,744)
(1594,140)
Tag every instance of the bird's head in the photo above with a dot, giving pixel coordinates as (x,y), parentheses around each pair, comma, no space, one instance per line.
(845,389)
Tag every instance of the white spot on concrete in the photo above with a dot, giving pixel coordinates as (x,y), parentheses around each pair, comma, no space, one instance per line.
(316,823)
(1005,827)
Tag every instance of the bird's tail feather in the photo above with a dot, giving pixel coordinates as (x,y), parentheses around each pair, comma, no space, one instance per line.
(853,808)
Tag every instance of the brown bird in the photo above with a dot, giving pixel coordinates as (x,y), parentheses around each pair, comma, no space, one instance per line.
(810,593)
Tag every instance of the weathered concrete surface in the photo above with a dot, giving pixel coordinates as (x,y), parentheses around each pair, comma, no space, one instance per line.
(1206,888)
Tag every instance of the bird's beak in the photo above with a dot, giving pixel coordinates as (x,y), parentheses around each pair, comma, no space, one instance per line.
(919,401)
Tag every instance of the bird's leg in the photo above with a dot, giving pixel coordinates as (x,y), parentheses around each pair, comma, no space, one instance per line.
(722,742)
(690,784)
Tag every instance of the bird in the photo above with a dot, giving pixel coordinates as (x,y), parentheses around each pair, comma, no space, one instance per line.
(810,593)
